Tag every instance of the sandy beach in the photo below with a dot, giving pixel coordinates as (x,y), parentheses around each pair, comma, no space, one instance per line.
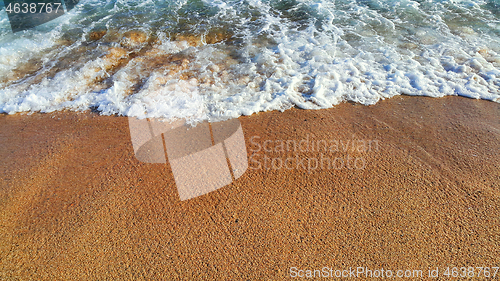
(75,203)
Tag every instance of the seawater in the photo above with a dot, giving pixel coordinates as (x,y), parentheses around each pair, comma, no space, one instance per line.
(222,59)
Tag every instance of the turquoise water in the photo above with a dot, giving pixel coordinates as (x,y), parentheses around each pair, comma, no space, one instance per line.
(274,55)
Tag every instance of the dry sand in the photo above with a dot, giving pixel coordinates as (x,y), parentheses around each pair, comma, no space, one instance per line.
(76,204)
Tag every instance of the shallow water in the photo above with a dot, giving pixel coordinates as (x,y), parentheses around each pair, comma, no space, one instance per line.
(219,59)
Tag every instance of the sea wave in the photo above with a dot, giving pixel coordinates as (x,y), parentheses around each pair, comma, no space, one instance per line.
(223,59)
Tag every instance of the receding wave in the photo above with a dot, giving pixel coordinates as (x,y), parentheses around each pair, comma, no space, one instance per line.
(220,59)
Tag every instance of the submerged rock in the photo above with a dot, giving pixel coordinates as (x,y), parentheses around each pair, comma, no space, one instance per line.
(212,37)
(96,35)
(133,39)
(116,53)
(192,40)
(217,37)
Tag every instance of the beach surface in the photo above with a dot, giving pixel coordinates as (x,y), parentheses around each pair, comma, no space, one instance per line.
(75,203)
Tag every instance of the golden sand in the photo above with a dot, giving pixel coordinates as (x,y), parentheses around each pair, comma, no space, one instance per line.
(76,204)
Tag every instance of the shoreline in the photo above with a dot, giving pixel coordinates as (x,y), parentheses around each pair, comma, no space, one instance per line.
(76,204)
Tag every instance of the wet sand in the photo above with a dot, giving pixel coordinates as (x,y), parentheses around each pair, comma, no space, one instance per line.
(76,204)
